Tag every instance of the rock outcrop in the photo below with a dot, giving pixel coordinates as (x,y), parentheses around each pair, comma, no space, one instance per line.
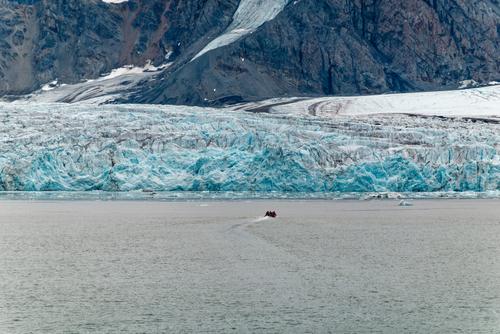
(312,47)
(331,47)
(74,40)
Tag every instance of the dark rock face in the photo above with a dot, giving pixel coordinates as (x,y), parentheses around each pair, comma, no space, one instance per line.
(56,39)
(328,47)
(313,47)
(71,40)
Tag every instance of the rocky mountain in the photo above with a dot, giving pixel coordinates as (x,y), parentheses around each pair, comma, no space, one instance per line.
(229,51)
(74,40)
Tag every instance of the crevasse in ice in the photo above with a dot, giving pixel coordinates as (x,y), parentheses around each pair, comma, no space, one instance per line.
(165,148)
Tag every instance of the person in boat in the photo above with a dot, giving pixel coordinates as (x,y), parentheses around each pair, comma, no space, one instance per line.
(271,214)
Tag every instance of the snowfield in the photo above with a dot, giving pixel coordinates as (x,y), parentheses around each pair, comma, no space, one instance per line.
(105,89)
(249,16)
(469,103)
(372,144)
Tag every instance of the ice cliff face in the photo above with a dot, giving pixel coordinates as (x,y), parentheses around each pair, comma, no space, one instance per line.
(169,148)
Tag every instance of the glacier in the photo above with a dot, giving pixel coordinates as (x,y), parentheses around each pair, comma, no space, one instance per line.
(124,148)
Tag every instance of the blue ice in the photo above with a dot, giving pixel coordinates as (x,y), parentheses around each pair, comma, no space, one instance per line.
(57,147)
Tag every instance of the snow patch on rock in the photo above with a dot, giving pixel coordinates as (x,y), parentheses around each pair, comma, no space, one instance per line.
(114,1)
(249,16)
(104,89)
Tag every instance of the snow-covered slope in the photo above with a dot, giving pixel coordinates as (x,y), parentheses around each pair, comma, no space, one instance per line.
(173,148)
(102,90)
(469,103)
(250,15)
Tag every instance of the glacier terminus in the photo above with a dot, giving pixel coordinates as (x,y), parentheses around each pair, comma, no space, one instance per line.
(296,145)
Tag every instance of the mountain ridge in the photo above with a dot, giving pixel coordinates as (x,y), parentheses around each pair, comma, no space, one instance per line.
(309,48)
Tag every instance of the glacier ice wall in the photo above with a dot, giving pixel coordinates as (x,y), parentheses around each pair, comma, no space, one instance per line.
(61,147)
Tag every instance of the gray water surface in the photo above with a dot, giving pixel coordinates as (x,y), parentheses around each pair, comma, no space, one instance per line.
(217,267)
